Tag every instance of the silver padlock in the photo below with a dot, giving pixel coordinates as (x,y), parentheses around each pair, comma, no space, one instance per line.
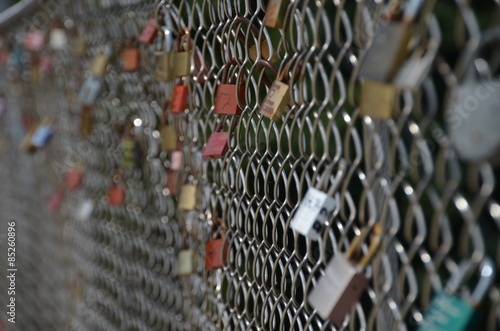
(316,206)
(472,116)
(89,92)
(344,282)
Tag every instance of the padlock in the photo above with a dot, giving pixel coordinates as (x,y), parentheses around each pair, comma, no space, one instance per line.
(131,56)
(316,206)
(131,150)
(377,99)
(182,56)
(45,65)
(84,210)
(472,118)
(86,121)
(216,249)
(218,143)
(100,62)
(73,179)
(42,135)
(26,145)
(150,32)
(447,311)
(185,262)
(343,284)
(89,92)
(172,182)
(229,96)
(116,193)
(34,40)
(275,13)
(278,97)
(56,200)
(164,49)
(187,198)
(168,134)
(58,40)
(176,161)
(180,98)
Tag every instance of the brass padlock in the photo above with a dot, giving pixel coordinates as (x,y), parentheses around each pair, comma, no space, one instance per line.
(275,13)
(86,121)
(278,97)
(164,49)
(100,62)
(187,198)
(168,134)
(377,99)
(182,57)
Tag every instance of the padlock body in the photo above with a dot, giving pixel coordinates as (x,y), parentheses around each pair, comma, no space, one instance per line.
(180,99)
(187,199)
(181,64)
(86,121)
(275,13)
(313,213)
(226,99)
(84,210)
(377,100)
(338,290)
(176,160)
(131,153)
(447,312)
(168,138)
(215,254)
(163,71)
(217,146)
(131,59)
(56,201)
(89,92)
(172,182)
(34,41)
(99,64)
(116,196)
(42,136)
(185,262)
(73,179)
(149,33)
(58,39)
(472,120)
(387,53)
(276,101)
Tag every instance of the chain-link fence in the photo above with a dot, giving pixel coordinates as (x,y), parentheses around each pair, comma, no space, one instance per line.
(158,160)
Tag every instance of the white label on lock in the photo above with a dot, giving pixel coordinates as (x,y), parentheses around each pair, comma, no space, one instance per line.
(325,296)
(58,39)
(313,212)
(89,91)
(84,210)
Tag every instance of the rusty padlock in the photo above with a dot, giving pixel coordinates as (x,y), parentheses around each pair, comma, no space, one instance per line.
(278,97)
(168,134)
(229,96)
(182,55)
(216,249)
(180,98)
(275,13)
(131,56)
(343,284)
(218,143)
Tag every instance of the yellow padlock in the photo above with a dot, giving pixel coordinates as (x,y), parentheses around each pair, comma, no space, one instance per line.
(187,199)
(377,99)
(99,64)
(182,57)
(163,71)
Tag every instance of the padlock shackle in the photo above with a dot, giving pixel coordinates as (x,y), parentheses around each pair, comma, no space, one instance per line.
(372,249)
(180,37)
(264,64)
(225,71)
(490,39)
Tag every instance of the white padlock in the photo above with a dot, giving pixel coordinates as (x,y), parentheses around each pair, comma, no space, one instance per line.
(84,210)
(58,39)
(317,206)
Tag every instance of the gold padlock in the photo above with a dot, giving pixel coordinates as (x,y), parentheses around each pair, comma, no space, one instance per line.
(187,198)
(275,13)
(182,57)
(99,64)
(163,72)
(168,134)
(377,99)
(264,52)
(278,97)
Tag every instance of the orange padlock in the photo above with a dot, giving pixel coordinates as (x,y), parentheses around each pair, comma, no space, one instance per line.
(116,193)
(131,56)
(73,179)
(180,98)
(216,249)
(229,96)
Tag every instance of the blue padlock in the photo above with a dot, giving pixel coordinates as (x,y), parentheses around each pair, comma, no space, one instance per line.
(450,312)
(42,135)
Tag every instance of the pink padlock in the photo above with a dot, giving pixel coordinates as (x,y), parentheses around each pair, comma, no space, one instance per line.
(56,200)
(218,143)
(176,160)
(34,40)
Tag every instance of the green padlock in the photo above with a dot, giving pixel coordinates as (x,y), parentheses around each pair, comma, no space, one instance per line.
(450,312)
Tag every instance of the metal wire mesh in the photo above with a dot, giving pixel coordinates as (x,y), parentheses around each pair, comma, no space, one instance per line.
(118,269)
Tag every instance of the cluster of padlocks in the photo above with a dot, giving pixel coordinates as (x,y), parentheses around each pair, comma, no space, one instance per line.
(256,165)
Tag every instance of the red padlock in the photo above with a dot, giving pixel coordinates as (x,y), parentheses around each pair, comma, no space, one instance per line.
(131,57)
(73,179)
(150,32)
(218,143)
(116,193)
(180,99)
(173,182)
(216,249)
(229,96)
(56,200)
